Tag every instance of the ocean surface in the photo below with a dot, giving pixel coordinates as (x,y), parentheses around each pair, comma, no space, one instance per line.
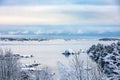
(57,36)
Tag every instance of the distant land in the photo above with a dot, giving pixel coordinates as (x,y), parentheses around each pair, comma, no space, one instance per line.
(45,39)
(63,36)
(109,39)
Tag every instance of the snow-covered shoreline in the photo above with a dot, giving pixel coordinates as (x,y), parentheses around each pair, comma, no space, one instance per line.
(49,52)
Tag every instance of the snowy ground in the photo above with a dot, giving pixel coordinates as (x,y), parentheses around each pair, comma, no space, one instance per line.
(49,52)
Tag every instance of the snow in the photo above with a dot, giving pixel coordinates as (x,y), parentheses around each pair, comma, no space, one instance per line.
(108,57)
(49,52)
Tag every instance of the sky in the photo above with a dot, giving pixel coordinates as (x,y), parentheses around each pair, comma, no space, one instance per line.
(59,16)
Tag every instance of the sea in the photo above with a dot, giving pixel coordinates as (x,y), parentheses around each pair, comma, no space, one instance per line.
(56,36)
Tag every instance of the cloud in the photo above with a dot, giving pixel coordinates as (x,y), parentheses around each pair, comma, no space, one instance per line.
(13,32)
(103,29)
(60,29)
(51,2)
(17,32)
(24,32)
(0,33)
(118,2)
(59,15)
(80,32)
(37,32)
(55,8)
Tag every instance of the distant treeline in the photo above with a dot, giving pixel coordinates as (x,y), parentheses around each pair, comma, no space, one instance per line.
(22,39)
(109,39)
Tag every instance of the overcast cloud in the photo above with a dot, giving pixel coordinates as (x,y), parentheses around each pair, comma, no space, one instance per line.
(104,14)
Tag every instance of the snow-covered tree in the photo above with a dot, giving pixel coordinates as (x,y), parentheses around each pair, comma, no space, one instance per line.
(77,65)
(108,58)
(88,71)
(65,73)
(11,69)
(9,66)
(77,70)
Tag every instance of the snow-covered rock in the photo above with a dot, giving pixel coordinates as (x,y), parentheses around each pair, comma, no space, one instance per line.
(68,52)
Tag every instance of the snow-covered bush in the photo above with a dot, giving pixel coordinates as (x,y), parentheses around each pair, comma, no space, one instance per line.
(44,73)
(26,75)
(11,69)
(9,66)
(77,70)
(85,70)
(108,58)
(64,72)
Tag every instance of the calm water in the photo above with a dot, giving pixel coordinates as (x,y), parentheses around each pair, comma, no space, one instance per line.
(51,36)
